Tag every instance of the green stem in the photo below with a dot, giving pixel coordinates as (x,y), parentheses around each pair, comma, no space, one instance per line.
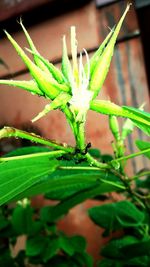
(96,163)
(71,121)
(51,154)
(79,168)
(140,175)
(13,132)
(81,136)
(131,155)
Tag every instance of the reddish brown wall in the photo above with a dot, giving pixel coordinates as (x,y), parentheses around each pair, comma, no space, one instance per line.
(125,85)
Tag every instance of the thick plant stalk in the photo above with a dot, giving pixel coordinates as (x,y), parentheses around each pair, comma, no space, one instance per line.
(13,132)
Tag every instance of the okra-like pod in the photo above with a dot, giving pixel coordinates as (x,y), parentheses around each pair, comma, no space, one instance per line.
(30,86)
(58,102)
(66,65)
(33,48)
(94,59)
(102,66)
(114,127)
(55,72)
(44,81)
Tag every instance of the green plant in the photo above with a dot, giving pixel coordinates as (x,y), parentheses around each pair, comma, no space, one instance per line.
(44,243)
(34,170)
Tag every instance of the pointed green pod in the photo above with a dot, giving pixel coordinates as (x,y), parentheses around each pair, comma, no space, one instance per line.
(94,59)
(102,66)
(30,86)
(60,101)
(66,65)
(33,48)
(114,127)
(55,72)
(44,81)
(74,53)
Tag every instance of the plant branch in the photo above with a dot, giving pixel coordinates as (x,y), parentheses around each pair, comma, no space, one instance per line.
(51,154)
(81,136)
(93,162)
(131,156)
(13,132)
(144,173)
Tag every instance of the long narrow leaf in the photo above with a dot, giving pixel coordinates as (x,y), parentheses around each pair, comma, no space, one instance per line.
(95,189)
(73,180)
(142,145)
(141,114)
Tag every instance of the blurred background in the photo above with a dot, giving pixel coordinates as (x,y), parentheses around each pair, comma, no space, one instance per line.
(127,83)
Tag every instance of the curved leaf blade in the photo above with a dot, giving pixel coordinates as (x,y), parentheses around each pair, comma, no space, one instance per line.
(15,178)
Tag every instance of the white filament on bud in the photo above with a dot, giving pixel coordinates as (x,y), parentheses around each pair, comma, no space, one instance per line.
(81,96)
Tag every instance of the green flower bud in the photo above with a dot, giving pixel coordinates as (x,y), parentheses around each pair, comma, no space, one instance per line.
(114,127)
(102,65)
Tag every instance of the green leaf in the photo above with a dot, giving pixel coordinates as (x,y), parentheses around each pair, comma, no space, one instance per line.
(36,246)
(109,263)
(142,145)
(143,183)
(138,261)
(94,152)
(22,219)
(23,222)
(141,115)
(102,66)
(77,198)
(52,248)
(78,243)
(92,182)
(137,249)
(114,216)
(15,177)
(4,223)
(83,259)
(88,191)
(113,249)
(6,260)
(66,245)
(27,150)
